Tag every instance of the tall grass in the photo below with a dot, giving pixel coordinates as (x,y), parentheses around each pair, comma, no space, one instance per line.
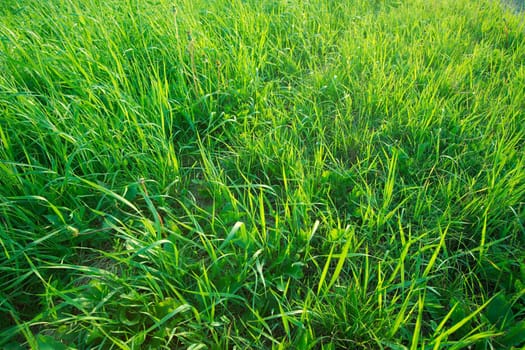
(262,174)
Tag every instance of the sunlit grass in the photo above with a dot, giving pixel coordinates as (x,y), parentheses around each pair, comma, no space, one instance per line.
(262,174)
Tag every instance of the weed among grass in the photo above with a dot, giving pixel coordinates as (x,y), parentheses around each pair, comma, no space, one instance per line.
(262,174)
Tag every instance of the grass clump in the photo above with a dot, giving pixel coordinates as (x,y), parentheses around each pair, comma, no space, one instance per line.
(262,174)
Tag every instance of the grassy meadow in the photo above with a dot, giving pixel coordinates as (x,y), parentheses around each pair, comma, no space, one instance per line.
(262,174)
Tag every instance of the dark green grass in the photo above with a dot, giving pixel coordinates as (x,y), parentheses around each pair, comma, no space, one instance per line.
(262,174)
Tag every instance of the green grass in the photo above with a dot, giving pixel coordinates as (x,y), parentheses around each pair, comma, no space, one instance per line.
(259,174)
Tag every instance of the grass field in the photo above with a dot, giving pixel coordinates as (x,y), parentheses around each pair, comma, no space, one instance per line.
(262,174)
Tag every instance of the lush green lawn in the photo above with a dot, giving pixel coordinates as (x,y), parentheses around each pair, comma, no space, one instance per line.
(255,174)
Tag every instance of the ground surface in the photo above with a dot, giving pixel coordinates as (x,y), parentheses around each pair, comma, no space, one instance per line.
(259,174)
